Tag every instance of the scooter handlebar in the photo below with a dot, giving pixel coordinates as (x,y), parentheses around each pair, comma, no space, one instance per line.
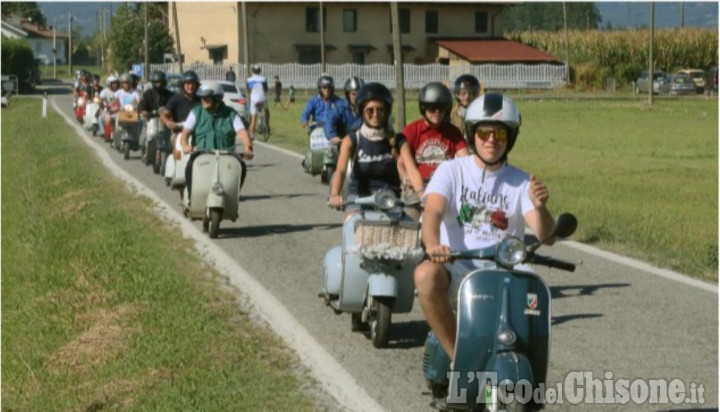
(552,263)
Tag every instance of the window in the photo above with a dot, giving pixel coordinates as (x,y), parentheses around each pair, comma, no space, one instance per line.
(309,56)
(38,47)
(481,25)
(349,20)
(358,57)
(404,21)
(431,21)
(312,19)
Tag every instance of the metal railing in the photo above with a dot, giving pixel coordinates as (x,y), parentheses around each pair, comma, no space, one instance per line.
(304,76)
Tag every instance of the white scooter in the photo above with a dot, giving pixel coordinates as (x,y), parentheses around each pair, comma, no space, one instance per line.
(216,179)
(91,121)
(371,274)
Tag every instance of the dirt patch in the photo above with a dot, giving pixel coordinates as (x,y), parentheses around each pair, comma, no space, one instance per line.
(120,392)
(108,336)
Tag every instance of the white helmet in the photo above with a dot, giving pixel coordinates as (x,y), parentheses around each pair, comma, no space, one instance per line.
(493,108)
(111,79)
(211,88)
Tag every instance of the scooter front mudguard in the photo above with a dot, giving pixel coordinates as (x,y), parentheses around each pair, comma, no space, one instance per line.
(332,269)
(493,300)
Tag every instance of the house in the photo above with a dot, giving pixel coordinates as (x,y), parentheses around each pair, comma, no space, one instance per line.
(484,51)
(354,32)
(40,38)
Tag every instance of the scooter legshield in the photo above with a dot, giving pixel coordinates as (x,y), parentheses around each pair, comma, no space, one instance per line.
(493,300)
(333,271)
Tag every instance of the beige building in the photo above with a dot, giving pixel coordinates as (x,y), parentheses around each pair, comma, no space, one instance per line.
(283,32)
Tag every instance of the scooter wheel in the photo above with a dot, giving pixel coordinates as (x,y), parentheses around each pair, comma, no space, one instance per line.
(380,324)
(214,223)
(126,150)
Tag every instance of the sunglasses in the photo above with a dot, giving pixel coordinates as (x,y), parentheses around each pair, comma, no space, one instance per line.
(500,134)
(373,110)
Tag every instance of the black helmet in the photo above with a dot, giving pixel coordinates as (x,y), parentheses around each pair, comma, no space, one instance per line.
(256,69)
(374,91)
(326,80)
(134,77)
(469,83)
(353,83)
(437,94)
(191,76)
(158,76)
(96,78)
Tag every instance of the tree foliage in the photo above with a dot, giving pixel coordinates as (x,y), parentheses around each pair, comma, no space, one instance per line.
(125,39)
(28,9)
(17,57)
(549,16)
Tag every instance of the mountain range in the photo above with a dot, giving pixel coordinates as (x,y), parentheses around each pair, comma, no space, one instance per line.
(614,14)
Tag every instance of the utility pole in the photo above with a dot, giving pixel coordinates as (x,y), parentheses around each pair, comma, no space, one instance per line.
(177,34)
(651,71)
(146,63)
(102,38)
(245,44)
(70,71)
(567,55)
(97,31)
(322,38)
(54,49)
(399,66)
(682,15)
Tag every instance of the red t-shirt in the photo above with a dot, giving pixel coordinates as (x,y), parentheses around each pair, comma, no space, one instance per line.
(432,146)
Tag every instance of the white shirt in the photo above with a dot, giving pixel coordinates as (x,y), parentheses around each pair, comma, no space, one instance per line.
(479,207)
(255,85)
(129,97)
(190,122)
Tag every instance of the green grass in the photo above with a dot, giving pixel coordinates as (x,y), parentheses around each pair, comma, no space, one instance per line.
(643,183)
(103,306)
(46,72)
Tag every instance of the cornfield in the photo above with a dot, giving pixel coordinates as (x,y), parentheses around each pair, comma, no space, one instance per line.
(623,54)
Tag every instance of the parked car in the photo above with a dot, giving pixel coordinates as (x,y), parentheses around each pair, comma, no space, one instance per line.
(698,76)
(677,84)
(174,82)
(235,98)
(711,81)
(641,84)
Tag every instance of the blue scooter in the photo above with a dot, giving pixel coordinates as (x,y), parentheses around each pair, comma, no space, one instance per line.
(370,275)
(503,330)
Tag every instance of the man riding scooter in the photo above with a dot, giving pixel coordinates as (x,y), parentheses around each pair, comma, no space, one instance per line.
(472,202)
(107,97)
(176,111)
(345,118)
(466,88)
(150,104)
(216,126)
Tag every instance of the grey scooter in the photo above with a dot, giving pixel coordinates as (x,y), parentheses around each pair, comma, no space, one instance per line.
(370,275)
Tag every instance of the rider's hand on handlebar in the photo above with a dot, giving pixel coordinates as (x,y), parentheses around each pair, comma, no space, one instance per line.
(248,154)
(186,148)
(304,124)
(336,201)
(335,140)
(434,250)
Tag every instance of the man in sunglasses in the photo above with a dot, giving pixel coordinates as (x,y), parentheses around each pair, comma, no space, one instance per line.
(474,202)
(319,106)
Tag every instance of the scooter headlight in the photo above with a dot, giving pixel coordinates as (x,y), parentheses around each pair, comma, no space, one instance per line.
(218,189)
(129,108)
(385,200)
(510,252)
(507,337)
(81,101)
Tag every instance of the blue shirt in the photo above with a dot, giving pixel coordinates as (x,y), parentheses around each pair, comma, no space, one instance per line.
(342,121)
(319,108)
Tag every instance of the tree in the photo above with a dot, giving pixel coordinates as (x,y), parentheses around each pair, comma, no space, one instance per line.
(27,9)
(549,16)
(126,35)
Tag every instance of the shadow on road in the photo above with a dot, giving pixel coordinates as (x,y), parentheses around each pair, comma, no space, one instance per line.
(259,166)
(262,197)
(558,320)
(408,335)
(582,290)
(257,231)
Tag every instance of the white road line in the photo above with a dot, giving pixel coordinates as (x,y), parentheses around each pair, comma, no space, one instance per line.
(334,378)
(636,264)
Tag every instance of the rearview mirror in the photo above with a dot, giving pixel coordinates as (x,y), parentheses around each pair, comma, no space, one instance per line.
(565,225)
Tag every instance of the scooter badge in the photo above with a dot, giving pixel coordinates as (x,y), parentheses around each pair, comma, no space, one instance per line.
(532,303)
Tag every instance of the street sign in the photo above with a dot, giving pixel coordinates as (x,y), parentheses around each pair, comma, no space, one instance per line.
(138,69)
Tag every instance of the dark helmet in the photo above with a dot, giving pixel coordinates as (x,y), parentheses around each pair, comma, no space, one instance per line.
(96,78)
(326,80)
(469,83)
(435,93)
(256,69)
(374,91)
(493,108)
(353,83)
(85,74)
(134,78)
(191,76)
(158,76)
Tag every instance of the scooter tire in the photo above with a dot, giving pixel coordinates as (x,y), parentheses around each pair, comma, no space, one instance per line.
(380,325)
(215,217)
(163,163)
(126,150)
(94,130)
(329,172)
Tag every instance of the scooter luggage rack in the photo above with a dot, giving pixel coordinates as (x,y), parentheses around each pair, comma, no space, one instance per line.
(387,240)
(127,119)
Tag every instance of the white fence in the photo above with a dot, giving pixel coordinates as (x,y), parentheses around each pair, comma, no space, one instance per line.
(304,76)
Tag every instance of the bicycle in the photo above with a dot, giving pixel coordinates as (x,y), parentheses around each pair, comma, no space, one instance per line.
(262,128)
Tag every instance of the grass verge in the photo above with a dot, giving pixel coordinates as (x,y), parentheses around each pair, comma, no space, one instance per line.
(642,182)
(103,306)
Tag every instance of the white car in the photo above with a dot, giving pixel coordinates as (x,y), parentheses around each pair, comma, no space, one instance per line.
(235,98)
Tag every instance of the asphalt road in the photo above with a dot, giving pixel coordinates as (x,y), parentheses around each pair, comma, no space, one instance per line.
(606,316)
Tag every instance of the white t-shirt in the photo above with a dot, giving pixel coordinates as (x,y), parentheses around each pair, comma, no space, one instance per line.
(126,98)
(190,122)
(107,95)
(257,90)
(480,211)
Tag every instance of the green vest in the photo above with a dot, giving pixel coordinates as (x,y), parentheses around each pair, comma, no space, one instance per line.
(214,130)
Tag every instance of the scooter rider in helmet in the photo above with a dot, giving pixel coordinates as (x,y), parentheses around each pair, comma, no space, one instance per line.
(257,86)
(156,97)
(375,149)
(466,88)
(473,202)
(96,88)
(127,95)
(216,126)
(179,105)
(320,105)
(345,119)
(108,102)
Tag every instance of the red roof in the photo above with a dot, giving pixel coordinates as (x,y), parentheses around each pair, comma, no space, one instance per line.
(495,51)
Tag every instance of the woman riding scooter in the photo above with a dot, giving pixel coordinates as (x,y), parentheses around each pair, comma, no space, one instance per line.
(374,149)
(108,100)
